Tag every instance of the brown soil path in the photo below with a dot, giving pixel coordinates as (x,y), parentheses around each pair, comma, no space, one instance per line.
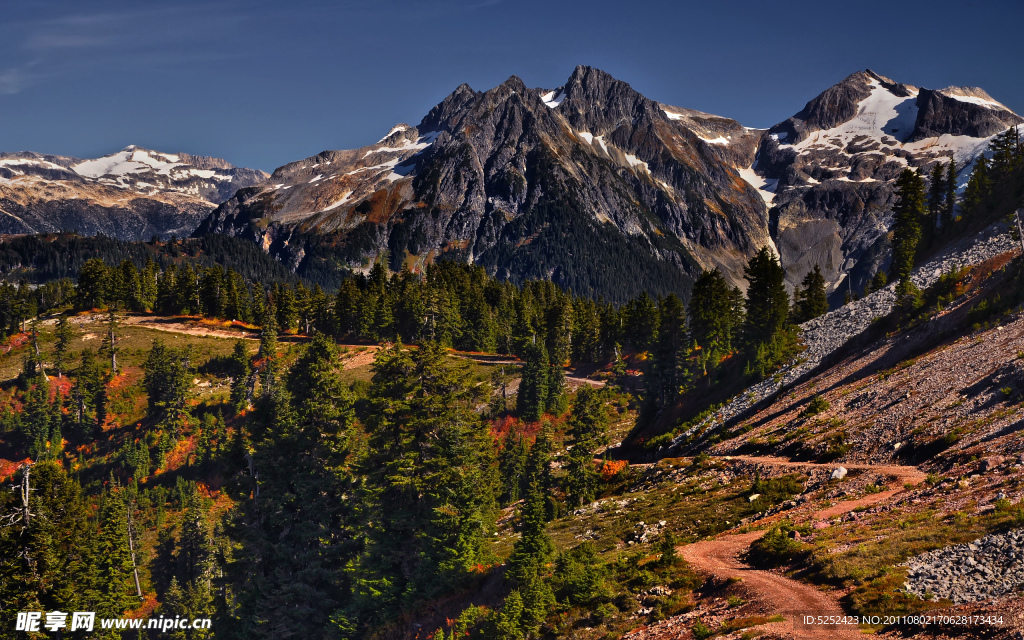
(720,558)
(789,598)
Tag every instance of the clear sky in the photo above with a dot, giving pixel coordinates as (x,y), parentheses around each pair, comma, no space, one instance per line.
(264,83)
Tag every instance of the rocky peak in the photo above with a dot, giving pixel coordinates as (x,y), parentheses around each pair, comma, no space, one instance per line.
(455,103)
(595,101)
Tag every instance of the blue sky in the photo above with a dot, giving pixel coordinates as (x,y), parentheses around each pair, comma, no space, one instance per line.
(264,83)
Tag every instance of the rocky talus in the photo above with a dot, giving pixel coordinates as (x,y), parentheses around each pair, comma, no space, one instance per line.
(987,568)
(825,334)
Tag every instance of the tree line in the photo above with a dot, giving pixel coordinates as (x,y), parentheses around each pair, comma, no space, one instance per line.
(929,212)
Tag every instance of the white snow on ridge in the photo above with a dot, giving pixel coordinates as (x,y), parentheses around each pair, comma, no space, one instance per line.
(673,116)
(880,114)
(553,99)
(718,140)
(6,162)
(589,137)
(397,127)
(421,143)
(133,160)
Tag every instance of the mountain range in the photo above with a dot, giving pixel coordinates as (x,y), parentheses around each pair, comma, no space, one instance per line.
(133,194)
(590,184)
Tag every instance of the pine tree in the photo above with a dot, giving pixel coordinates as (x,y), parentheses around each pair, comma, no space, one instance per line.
(811,300)
(241,372)
(668,376)
(907,215)
(979,187)
(588,430)
(512,465)
(64,334)
(949,202)
(936,192)
(766,332)
(533,385)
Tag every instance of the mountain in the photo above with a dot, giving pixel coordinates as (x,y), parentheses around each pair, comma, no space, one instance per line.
(133,194)
(591,185)
(829,170)
(607,192)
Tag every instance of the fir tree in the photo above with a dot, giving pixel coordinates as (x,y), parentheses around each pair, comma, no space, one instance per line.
(588,430)
(512,465)
(907,215)
(979,187)
(949,202)
(811,300)
(766,332)
(667,374)
(241,372)
(533,385)
(63,333)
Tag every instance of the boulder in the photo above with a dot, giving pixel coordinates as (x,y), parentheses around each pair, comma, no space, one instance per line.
(839,473)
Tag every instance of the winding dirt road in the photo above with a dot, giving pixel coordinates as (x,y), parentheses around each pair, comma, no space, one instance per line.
(793,600)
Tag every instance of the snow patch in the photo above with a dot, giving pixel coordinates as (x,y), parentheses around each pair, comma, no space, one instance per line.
(553,99)
(765,187)
(397,127)
(335,205)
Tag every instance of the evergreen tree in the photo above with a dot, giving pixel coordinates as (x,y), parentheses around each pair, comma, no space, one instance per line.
(936,192)
(668,372)
(714,321)
(45,543)
(588,430)
(979,187)
(766,331)
(92,285)
(907,215)
(63,333)
(430,491)
(534,384)
(88,396)
(512,465)
(811,300)
(241,373)
(949,201)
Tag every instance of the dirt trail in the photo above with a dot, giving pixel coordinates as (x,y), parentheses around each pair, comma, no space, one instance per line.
(720,558)
(158,323)
(912,475)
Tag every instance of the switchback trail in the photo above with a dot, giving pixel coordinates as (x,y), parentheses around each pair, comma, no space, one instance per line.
(721,558)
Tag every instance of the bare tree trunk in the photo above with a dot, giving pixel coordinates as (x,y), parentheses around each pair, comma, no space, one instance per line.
(131,547)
